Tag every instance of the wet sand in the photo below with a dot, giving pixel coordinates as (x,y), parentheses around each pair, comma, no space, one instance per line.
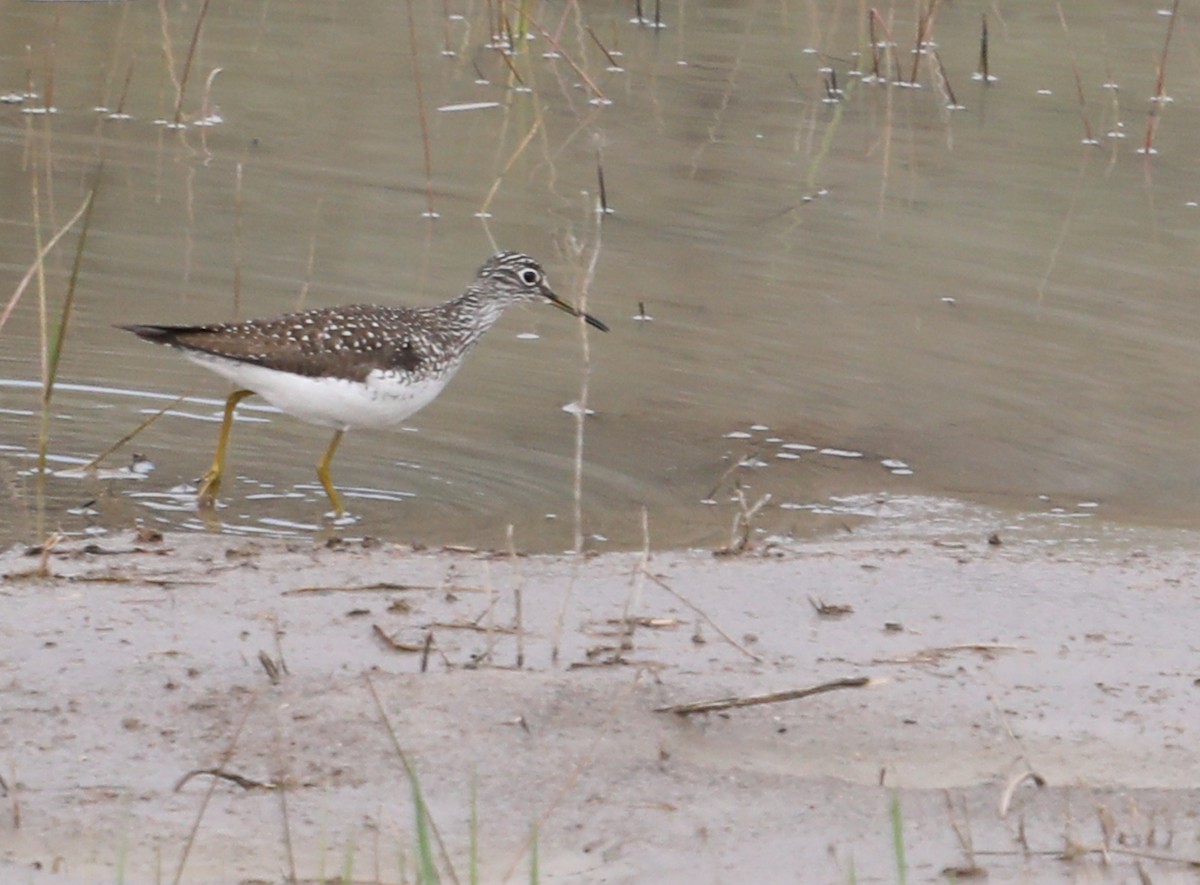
(135,661)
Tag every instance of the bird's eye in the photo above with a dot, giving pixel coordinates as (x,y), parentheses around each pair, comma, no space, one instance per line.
(530,277)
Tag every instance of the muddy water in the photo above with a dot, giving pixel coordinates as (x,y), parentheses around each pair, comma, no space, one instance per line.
(824,301)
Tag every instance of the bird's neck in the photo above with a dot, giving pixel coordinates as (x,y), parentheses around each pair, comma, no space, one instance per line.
(474,313)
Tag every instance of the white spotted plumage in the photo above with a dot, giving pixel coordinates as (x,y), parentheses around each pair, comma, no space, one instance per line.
(363,365)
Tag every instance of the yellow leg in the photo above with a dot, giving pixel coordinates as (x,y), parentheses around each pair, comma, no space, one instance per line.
(323,475)
(210,484)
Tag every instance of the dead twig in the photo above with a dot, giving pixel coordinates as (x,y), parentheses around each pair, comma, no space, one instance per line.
(934,655)
(743,525)
(830,610)
(474,625)
(242,781)
(518,598)
(774,697)
(376,587)
(661,583)
(1189,862)
(395,645)
(1011,787)
(273,670)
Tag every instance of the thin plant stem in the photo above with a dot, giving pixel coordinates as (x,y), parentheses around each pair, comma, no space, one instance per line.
(1159,84)
(608,55)
(520,149)
(226,755)
(473,835)
(601,734)
(187,62)
(48,98)
(554,45)
(120,110)
(411,773)
(581,412)
(518,598)
(898,840)
(237,243)
(131,434)
(421,114)
(1088,136)
(426,865)
(983,51)
(60,333)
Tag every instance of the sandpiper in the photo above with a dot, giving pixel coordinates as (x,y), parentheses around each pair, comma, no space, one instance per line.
(363,365)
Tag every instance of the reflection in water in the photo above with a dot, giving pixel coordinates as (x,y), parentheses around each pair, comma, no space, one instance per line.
(972,300)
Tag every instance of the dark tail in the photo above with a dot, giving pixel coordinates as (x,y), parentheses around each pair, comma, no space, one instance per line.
(157,334)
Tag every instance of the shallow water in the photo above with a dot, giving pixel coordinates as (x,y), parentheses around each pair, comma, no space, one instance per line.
(973,297)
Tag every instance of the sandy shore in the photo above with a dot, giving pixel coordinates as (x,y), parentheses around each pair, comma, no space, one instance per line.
(129,663)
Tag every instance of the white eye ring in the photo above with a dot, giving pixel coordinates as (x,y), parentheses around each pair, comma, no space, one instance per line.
(530,277)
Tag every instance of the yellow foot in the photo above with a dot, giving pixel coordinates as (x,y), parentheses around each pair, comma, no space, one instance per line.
(323,474)
(210,484)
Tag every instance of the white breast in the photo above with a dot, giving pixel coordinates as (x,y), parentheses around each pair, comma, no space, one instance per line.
(386,399)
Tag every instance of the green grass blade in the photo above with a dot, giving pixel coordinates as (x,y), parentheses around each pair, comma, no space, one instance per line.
(427,873)
(898,840)
(534,873)
(60,333)
(473,861)
(348,865)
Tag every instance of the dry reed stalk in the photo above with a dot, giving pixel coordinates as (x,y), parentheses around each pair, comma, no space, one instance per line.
(608,55)
(562,22)
(311,261)
(207,110)
(133,433)
(422,115)
(603,192)
(924,29)
(518,597)
(237,243)
(187,63)
(1159,98)
(638,583)
(889,44)
(983,51)
(520,149)
(707,618)
(51,59)
(493,33)
(589,273)
(446,50)
(875,75)
(506,57)
(775,697)
(555,46)
(120,109)
(1088,136)
(944,79)
(164,23)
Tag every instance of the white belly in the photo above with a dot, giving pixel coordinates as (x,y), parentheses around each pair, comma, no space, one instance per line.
(383,401)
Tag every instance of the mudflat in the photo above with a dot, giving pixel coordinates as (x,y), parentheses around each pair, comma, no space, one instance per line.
(201,708)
